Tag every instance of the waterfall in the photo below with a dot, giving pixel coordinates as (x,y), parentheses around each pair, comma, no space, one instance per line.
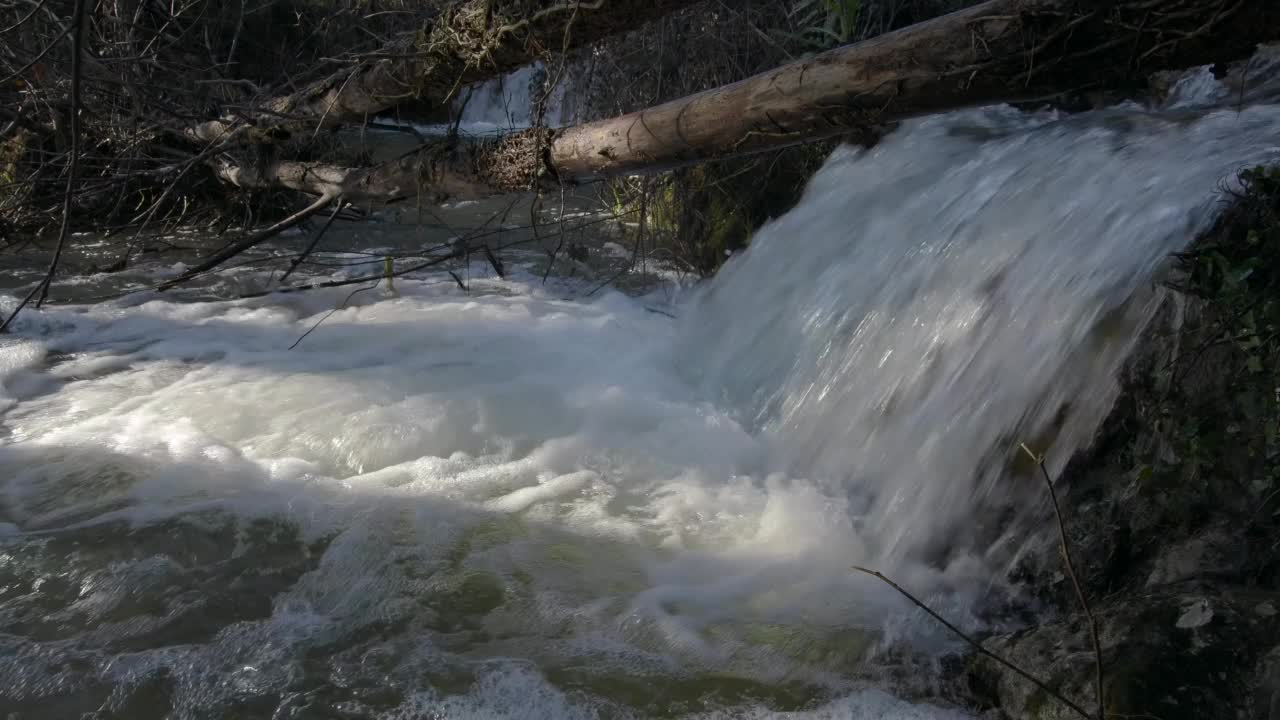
(524,501)
(973,282)
(510,102)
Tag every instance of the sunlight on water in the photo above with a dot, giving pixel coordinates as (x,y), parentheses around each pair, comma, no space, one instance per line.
(964,286)
(512,504)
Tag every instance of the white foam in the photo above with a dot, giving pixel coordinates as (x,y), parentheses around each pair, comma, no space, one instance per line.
(17,357)
(507,693)
(515,483)
(551,489)
(973,282)
(403,429)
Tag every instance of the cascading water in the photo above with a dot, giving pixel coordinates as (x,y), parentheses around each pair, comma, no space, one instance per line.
(511,504)
(510,102)
(973,283)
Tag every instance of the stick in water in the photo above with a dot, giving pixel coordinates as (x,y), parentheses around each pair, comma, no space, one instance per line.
(1075,583)
(974,643)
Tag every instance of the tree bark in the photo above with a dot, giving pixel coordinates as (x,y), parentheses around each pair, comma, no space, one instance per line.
(468,41)
(439,171)
(1000,51)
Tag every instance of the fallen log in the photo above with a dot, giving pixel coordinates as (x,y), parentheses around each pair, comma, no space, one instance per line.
(434,173)
(1003,51)
(999,51)
(468,41)
(445,169)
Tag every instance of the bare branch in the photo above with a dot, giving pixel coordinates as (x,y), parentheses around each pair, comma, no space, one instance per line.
(974,643)
(462,45)
(73,166)
(1075,582)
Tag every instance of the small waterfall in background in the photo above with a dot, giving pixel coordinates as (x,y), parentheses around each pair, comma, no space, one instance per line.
(511,102)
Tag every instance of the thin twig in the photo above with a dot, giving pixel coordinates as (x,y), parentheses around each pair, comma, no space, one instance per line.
(974,643)
(73,167)
(494,262)
(551,260)
(635,250)
(1075,582)
(337,208)
(331,312)
(246,243)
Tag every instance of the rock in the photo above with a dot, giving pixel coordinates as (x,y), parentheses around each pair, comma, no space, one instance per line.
(1171,519)
(1212,554)
(1198,614)
(1266,697)
(1172,655)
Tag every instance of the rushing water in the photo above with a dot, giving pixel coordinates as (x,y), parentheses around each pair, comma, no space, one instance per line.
(524,502)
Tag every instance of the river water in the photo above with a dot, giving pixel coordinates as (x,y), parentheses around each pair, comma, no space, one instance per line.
(529,500)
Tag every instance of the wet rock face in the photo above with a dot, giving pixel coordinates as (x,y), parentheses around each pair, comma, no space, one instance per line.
(1175,655)
(1163,497)
(1211,555)
(1173,515)
(1178,562)
(1266,694)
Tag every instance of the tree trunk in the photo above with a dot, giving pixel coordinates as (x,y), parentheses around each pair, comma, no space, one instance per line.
(469,41)
(1000,51)
(444,169)
(437,172)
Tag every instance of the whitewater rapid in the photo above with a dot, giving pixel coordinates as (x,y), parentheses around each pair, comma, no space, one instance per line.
(524,501)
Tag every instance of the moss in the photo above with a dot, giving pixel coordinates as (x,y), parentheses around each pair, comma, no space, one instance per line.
(703,214)
(1231,435)
(1191,444)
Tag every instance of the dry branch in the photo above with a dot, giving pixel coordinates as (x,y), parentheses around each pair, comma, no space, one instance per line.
(1000,51)
(73,166)
(437,171)
(468,41)
(235,248)
(1065,547)
(972,642)
(315,240)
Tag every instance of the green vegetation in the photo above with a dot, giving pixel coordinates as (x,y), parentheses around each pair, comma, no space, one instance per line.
(825,23)
(1236,273)
(701,215)
(1175,508)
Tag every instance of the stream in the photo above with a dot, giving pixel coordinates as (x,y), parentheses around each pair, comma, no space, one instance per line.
(547,499)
